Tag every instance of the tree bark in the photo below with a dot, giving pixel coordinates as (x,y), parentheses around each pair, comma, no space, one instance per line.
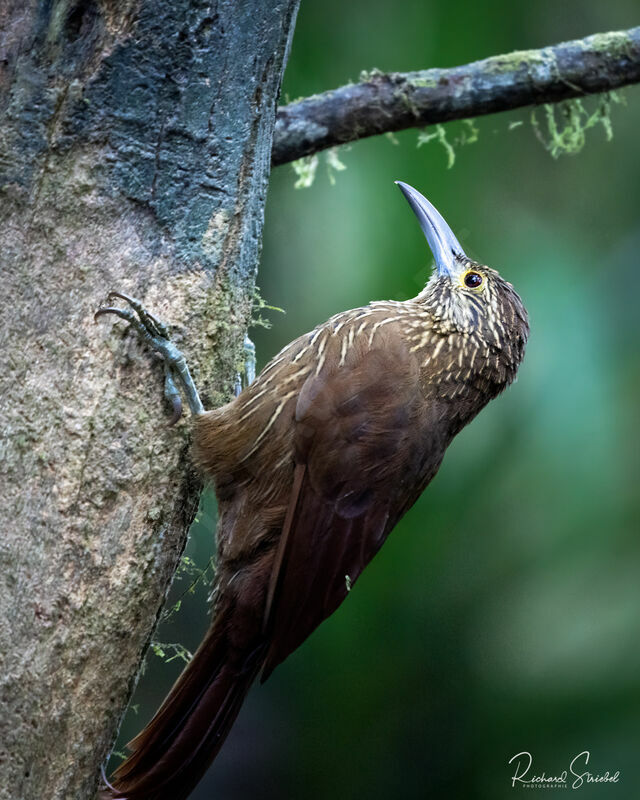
(387,102)
(135,142)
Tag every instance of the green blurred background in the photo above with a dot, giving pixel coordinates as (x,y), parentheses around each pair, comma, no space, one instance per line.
(502,614)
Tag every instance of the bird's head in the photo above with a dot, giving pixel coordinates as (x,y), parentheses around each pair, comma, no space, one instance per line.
(464,296)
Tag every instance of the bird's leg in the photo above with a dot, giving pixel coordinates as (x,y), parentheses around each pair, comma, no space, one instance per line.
(249,366)
(156,334)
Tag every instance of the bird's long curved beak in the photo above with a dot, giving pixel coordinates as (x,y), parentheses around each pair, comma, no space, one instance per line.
(446,249)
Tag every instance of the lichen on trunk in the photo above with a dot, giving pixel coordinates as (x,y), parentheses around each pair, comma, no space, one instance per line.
(135,145)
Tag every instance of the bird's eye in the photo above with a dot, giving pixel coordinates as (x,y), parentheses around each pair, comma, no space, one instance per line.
(473,280)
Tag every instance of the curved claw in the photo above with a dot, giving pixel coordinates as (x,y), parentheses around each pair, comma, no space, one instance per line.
(123,313)
(172,394)
(176,402)
(105,780)
(153,325)
(131,300)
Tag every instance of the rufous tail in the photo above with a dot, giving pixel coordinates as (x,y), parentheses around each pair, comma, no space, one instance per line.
(173,752)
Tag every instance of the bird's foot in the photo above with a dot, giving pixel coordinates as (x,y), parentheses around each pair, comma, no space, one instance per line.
(249,366)
(156,334)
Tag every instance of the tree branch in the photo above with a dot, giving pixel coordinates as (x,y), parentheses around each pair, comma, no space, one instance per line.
(394,101)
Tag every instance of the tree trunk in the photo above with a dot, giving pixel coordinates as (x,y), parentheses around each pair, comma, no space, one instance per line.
(135,142)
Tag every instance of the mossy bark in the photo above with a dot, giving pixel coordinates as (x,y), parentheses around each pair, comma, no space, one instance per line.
(387,102)
(135,142)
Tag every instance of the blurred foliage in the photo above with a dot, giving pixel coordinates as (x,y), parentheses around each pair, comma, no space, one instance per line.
(502,614)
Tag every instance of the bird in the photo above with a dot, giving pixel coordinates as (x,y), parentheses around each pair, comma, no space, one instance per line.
(313,465)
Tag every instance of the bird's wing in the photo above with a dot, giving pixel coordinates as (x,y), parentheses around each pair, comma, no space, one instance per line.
(362,454)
